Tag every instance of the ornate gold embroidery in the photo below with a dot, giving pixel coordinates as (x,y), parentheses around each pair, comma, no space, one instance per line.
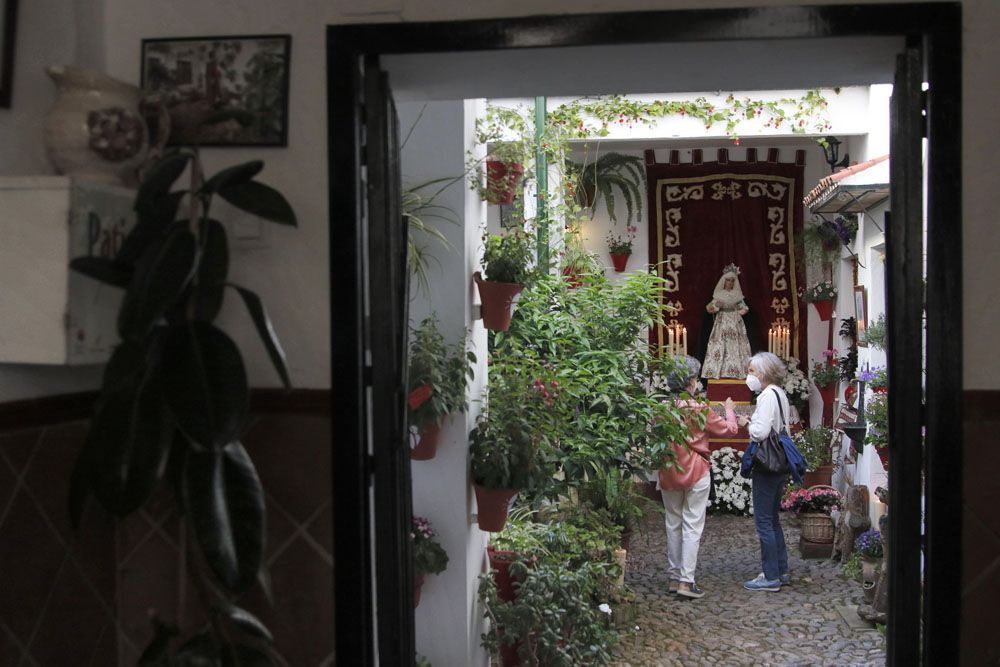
(671,228)
(780,305)
(671,275)
(675,307)
(680,193)
(732,190)
(769,190)
(777,261)
(776,214)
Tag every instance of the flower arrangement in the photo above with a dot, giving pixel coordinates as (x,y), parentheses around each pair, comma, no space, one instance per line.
(814,444)
(732,492)
(847,228)
(822,291)
(877,379)
(796,385)
(429,557)
(823,373)
(877,416)
(812,500)
(869,544)
(622,245)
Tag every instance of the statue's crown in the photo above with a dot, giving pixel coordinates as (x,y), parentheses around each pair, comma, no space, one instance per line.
(731,268)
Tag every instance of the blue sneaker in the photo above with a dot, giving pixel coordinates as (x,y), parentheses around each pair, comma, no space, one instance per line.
(785,579)
(759,583)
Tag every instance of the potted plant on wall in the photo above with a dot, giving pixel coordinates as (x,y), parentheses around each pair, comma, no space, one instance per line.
(825,376)
(429,557)
(438,378)
(814,444)
(507,264)
(510,139)
(601,177)
(174,397)
(620,248)
(821,295)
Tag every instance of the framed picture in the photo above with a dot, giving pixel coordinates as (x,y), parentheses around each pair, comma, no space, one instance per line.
(8,30)
(221,91)
(861,312)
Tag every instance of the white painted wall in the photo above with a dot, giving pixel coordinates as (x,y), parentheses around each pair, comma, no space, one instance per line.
(449,618)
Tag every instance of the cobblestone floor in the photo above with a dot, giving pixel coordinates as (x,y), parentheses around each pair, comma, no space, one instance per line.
(731,626)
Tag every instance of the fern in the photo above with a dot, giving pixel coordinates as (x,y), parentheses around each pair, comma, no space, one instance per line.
(610,172)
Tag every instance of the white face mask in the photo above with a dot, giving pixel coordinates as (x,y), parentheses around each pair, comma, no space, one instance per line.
(754,383)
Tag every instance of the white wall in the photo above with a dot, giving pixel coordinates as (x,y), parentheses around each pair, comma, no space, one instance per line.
(449,619)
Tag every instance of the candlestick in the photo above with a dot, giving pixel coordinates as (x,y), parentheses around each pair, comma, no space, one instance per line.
(684,340)
(670,340)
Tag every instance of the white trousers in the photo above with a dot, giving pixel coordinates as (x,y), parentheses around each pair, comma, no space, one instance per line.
(685,520)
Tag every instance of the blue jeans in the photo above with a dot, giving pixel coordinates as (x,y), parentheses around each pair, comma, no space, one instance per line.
(767,490)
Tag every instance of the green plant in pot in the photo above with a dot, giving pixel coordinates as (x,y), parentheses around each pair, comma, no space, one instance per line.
(507,261)
(614,490)
(174,398)
(601,177)
(429,557)
(438,379)
(814,444)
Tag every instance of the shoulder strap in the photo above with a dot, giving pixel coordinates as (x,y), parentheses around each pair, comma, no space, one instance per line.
(784,424)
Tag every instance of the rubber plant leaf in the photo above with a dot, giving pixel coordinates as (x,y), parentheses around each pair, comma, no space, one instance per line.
(213,267)
(161,275)
(266,332)
(151,226)
(224,502)
(159,179)
(204,384)
(260,200)
(232,176)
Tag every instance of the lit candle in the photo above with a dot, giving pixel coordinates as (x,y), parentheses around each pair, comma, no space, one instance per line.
(670,340)
(770,340)
(684,340)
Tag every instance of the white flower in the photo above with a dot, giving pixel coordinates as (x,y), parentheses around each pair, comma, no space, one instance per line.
(605,608)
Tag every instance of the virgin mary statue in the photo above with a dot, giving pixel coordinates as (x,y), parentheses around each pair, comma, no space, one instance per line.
(728,349)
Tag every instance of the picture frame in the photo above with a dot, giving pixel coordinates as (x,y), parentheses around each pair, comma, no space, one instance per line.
(8,33)
(861,312)
(220,91)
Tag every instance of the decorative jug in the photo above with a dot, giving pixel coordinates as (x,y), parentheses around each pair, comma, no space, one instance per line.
(95,130)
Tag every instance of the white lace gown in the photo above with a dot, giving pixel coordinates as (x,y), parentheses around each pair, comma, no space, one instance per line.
(728,350)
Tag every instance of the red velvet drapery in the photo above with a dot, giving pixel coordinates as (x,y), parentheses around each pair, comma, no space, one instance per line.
(704,216)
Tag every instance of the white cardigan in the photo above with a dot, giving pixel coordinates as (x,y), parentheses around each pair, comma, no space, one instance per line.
(767,416)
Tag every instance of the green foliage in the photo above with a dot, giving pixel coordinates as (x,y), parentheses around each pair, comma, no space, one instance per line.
(822,291)
(174,397)
(824,374)
(429,557)
(852,567)
(445,371)
(875,333)
(420,210)
(814,444)
(601,177)
(877,416)
(422,661)
(614,491)
(507,258)
(822,244)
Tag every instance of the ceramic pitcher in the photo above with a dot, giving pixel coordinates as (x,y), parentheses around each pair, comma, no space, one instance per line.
(95,131)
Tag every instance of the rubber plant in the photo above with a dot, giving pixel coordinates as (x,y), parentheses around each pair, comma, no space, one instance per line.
(174,399)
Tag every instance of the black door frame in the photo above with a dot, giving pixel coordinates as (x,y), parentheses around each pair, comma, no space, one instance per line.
(935,28)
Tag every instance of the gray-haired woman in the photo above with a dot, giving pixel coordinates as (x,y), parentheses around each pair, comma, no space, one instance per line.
(764,377)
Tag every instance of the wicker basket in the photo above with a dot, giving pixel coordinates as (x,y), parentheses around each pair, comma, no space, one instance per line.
(816,527)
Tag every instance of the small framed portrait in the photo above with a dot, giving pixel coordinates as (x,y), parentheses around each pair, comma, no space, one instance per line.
(861,312)
(8,29)
(220,91)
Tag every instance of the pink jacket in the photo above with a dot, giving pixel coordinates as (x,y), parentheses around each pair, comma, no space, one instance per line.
(694,463)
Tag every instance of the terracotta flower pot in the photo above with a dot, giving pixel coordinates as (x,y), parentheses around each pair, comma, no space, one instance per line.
(500,564)
(827,393)
(418,584)
(572,277)
(509,656)
(502,179)
(497,301)
(493,505)
(620,260)
(825,309)
(819,477)
(426,447)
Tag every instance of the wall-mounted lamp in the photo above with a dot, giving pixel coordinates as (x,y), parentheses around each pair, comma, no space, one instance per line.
(831,151)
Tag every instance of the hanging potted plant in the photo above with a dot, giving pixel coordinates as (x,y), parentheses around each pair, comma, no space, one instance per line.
(620,248)
(428,556)
(506,263)
(821,243)
(814,444)
(438,380)
(877,418)
(825,376)
(821,295)
(603,176)
(509,136)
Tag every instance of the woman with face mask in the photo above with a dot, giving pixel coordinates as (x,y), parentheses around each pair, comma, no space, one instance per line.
(764,377)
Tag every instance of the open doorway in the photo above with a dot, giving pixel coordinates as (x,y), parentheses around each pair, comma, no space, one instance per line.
(353,480)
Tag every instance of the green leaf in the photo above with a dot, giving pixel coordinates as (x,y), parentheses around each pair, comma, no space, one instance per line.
(225,504)
(213,267)
(232,176)
(108,271)
(266,332)
(260,200)
(159,179)
(161,275)
(152,225)
(248,622)
(205,384)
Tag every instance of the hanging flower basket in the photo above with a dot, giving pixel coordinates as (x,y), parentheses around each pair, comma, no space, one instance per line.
(502,179)
(816,527)
(493,505)
(426,447)
(620,261)
(825,309)
(497,302)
